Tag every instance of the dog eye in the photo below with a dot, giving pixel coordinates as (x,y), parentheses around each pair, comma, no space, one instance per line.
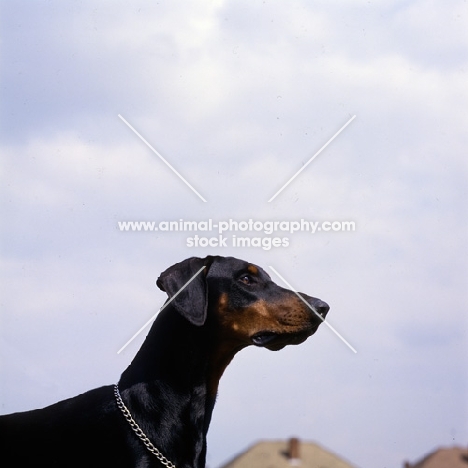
(246,279)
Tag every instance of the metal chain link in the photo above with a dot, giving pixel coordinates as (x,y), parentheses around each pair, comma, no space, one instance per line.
(138,431)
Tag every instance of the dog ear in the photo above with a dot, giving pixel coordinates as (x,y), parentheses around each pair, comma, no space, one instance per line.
(192,299)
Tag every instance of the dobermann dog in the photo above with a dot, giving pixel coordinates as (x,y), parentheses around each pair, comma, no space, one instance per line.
(158,414)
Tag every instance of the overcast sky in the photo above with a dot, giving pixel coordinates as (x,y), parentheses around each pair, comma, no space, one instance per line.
(238,96)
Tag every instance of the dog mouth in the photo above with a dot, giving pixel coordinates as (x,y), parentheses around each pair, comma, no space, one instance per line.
(275,341)
(262,339)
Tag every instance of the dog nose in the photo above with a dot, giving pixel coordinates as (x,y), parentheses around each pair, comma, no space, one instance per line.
(322,308)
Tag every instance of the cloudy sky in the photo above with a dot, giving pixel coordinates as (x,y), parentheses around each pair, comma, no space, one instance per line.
(238,96)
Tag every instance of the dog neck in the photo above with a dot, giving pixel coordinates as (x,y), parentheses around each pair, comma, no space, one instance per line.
(172,383)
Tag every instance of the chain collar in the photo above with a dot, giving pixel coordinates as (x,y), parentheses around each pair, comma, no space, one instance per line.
(138,431)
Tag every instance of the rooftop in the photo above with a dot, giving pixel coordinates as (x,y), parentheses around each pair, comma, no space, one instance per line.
(454,457)
(287,454)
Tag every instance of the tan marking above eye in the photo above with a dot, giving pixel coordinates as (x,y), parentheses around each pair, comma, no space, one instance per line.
(252,269)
